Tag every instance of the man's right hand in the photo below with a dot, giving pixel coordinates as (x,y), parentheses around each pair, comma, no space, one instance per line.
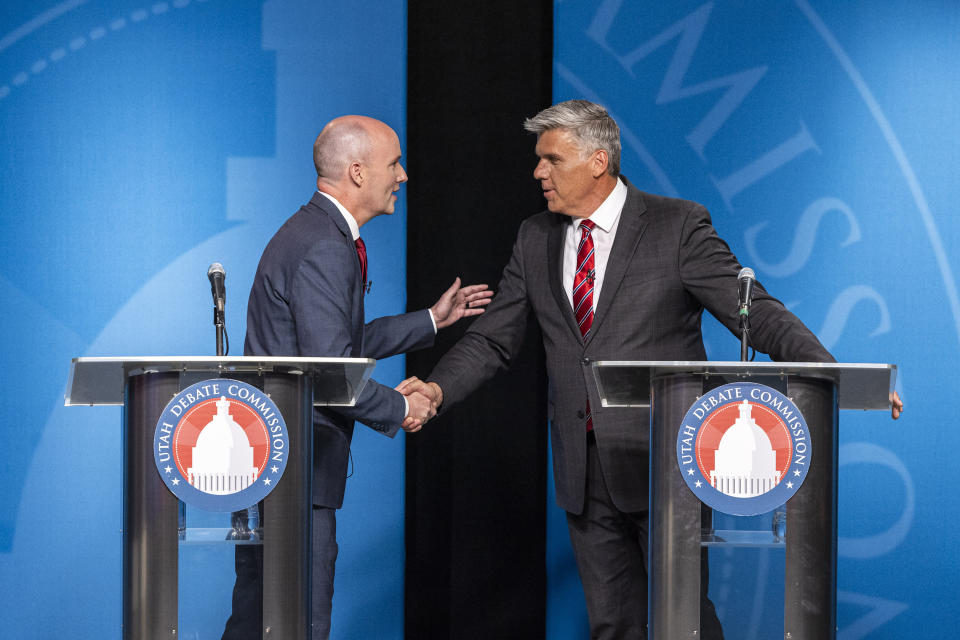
(420,393)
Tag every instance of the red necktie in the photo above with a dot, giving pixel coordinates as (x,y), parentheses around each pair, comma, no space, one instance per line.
(583,280)
(362,254)
(583,289)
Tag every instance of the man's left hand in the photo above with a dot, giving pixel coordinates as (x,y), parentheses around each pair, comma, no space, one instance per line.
(460,302)
(896,405)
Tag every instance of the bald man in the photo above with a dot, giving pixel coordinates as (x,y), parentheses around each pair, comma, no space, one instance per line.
(307,300)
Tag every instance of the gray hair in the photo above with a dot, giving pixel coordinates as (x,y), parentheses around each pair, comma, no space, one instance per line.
(589,123)
(338,145)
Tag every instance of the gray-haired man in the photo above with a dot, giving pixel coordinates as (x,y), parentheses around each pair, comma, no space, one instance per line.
(632,283)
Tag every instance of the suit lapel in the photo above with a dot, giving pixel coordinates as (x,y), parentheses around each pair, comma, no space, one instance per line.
(323,203)
(326,207)
(555,240)
(329,209)
(629,231)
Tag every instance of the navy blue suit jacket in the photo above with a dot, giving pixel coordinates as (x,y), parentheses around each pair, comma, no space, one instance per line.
(307,300)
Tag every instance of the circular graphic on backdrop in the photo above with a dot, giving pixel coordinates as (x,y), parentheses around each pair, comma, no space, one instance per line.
(221,445)
(744,448)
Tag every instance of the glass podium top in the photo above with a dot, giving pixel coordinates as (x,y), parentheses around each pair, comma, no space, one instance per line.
(101,381)
(865,386)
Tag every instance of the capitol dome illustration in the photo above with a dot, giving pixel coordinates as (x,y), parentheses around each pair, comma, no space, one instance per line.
(222,457)
(745,464)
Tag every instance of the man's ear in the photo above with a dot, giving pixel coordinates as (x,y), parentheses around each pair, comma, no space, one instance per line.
(356,173)
(599,163)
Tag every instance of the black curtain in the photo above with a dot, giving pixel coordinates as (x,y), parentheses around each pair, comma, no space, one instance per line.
(475,477)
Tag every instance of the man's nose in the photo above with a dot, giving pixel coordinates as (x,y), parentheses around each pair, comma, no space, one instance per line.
(401,175)
(540,171)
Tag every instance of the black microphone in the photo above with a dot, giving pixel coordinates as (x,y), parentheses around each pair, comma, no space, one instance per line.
(219,290)
(746,280)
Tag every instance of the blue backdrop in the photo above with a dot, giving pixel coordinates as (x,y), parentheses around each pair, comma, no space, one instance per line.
(823,138)
(140,142)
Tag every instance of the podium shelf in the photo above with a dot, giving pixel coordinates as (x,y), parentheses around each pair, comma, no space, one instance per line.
(864,386)
(102,380)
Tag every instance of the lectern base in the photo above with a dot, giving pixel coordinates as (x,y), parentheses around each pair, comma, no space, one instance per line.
(181,564)
(678,532)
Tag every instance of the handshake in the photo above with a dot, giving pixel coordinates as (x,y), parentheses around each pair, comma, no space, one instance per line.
(456,303)
(423,398)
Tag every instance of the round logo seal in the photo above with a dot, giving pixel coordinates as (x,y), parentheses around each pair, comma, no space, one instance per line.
(744,448)
(221,445)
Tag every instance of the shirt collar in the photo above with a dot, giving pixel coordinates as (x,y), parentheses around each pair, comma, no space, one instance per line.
(351,221)
(609,210)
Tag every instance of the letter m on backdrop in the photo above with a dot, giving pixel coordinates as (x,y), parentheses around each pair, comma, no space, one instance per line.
(688,32)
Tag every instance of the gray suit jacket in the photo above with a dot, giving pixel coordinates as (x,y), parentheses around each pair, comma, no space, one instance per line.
(667,264)
(307,300)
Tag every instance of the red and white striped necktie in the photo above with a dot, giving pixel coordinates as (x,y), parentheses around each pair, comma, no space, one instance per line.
(583,280)
(583,289)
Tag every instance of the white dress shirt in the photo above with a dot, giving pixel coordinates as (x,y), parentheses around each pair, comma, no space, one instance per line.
(606,218)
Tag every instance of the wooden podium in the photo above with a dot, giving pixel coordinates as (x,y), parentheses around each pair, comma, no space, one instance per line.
(676,532)
(153,518)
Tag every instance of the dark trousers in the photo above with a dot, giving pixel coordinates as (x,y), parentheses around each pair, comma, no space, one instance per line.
(611,551)
(324,550)
(246,618)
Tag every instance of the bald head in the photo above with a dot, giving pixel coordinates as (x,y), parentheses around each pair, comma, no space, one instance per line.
(358,162)
(342,141)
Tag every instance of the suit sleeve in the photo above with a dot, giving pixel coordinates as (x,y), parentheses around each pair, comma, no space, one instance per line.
(390,335)
(709,272)
(492,340)
(321,302)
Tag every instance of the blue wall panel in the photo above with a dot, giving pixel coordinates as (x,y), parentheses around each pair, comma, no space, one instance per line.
(139,142)
(823,138)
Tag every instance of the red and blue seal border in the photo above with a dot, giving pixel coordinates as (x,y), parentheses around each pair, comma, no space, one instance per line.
(755,393)
(202,391)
